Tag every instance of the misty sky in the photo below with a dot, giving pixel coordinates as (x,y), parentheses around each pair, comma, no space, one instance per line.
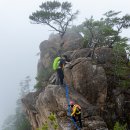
(19,41)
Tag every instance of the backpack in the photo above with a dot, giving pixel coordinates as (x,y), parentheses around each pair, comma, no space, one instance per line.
(78,109)
(56,63)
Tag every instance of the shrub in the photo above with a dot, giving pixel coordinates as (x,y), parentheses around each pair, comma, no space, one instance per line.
(51,123)
(118,126)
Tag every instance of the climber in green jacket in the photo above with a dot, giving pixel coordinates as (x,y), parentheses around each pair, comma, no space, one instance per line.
(58,65)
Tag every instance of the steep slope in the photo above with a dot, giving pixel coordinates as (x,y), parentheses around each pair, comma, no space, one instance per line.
(90,85)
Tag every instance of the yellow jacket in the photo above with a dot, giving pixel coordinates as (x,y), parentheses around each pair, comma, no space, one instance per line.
(76,110)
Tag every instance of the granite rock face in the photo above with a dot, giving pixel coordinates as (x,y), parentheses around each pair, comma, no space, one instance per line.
(87,86)
(53,99)
(88,79)
(89,82)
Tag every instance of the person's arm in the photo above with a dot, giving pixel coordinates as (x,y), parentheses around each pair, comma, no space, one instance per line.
(74,111)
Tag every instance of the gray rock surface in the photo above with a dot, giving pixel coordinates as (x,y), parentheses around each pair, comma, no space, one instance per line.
(53,99)
(88,79)
(88,85)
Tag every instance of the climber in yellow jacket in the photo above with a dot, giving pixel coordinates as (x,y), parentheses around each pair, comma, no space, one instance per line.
(76,112)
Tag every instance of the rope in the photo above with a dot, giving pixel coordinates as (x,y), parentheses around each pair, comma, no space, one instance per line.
(68,101)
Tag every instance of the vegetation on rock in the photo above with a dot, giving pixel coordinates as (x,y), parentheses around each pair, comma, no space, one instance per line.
(51,123)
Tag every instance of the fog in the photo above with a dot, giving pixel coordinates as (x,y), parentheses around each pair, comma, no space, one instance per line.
(19,42)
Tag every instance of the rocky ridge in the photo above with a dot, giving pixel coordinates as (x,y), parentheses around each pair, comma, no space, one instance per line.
(87,80)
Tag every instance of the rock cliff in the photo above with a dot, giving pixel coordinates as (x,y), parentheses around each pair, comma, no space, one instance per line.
(89,86)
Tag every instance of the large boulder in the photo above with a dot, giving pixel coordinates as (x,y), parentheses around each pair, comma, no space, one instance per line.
(103,55)
(48,51)
(88,79)
(29,102)
(85,52)
(51,48)
(53,99)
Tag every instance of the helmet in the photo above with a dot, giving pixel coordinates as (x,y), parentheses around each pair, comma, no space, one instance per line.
(71,102)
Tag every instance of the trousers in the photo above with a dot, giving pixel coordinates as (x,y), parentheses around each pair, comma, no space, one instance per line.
(60,76)
(78,118)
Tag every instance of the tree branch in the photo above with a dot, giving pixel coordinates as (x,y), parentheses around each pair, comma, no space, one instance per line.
(53,27)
